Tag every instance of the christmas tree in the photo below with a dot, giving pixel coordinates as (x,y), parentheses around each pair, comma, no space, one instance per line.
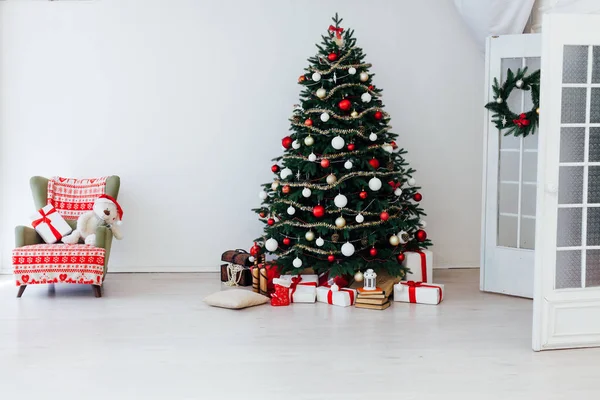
(343,199)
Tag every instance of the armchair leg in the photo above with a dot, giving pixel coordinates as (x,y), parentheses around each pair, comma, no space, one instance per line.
(21,290)
(97,290)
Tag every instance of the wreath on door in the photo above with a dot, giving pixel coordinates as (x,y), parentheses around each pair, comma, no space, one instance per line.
(522,124)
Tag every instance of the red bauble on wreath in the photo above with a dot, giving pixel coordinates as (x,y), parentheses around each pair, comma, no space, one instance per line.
(401,257)
(351,146)
(331,258)
(270,221)
(286,241)
(318,211)
(275,168)
(255,250)
(345,105)
(308,122)
(363,195)
(378,115)
(287,142)
(374,163)
(421,235)
(384,216)
(418,197)
(332,57)
(325,163)
(373,251)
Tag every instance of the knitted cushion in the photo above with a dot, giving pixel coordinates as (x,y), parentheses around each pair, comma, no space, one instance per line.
(58,263)
(73,197)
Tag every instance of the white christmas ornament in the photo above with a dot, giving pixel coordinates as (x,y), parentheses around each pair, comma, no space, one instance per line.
(291,210)
(364,77)
(348,164)
(321,93)
(274,186)
(404,237)
(499,100)
(373,137)
(297,262)
(316,77)
(295,144)
(398,192)
(285,173)
(306,192)
(347,249)
(338,142)
(340,201)
(309,141)
(520,83)
(324,117)
(359,218)
(271,244)
(340,222)
(312,157)
(423,224)
(310,236)
(411,182)
(365,97)
(320,242)
(394,240)
(262,195)
(275,219)
(388,148)
(351,70)
(374,184)
(331,179)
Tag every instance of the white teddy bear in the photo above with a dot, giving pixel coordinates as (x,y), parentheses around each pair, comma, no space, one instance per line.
(106,211)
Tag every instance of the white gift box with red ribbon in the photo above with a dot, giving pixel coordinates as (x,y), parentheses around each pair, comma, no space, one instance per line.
(336,296)
(303,288)
(420,265)
(50,225)
(419,292)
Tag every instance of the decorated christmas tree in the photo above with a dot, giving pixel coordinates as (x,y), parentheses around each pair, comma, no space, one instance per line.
(343,198)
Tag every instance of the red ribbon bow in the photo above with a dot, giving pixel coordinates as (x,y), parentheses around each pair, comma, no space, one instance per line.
(295,282)
(338,31)
(412,292)
(46,220)
(394,185)
(330,294)
(521,121)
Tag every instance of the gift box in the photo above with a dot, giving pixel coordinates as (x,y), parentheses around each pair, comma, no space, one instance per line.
(420,264)
(50,225)
(303,288)
(418,292)
(336,296)
(236,275)
(281,295)
(262,278)
(238,257)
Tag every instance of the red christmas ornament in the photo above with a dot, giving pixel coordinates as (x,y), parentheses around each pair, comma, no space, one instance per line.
(373,251)
(351,146)
(394,145)
(522,121)
(285,189)
(384,216)
(331,258)
(318,211)
(275,168)
(421,235)
(287,241)
(401,257)
(418,197)
(374,163)
(262,214)
(363,195)
(301,78)
(287,142)
(270,221)
(378,115)
(332,57)
(345,105)
(255,250)
(371,87)
(325,163)
(308,122)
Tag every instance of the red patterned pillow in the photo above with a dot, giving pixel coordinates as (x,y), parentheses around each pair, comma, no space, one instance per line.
(72,197)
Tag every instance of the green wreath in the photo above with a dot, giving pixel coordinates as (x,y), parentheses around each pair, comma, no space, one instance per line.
(517,124)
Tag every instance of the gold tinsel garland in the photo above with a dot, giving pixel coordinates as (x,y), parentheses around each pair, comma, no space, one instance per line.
(342,179)
(346,118)
(345,85)
(313,250)
(337,130)
(335,155)
(336,211)
(332,226)
(338,66)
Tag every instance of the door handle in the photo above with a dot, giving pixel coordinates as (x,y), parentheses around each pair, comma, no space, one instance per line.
(551,187)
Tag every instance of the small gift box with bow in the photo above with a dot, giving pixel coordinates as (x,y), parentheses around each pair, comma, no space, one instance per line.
(420,264)
(418,292)
(50,225)
(303,288)
(336,296)
(281,295)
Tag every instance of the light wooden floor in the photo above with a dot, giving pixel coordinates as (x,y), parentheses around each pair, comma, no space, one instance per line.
(151,337)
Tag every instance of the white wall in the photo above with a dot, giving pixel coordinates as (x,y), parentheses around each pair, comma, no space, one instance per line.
(187,101)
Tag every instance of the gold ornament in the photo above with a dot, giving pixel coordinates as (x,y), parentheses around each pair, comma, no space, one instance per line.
(310,236)
(358,276)
(331,179)
(354,114)
(537,110)
(394,240)
(340,222)
(335,237)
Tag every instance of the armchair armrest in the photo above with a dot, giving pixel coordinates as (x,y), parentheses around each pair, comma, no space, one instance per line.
(104,240)
(25,236)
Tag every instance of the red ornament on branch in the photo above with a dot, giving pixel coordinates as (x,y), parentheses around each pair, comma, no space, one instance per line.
(351,146)
(270,221)
(319,211)
(331,258)
(287,241)
(308,122)
(373,251)
(262,215)
(332,57)
(255,250)
(287,142)
(522,121)
(418,197)
(374,163)
(345,105)
(286,189)
(325,163)
(371,87)
(301,78)
(363,195)
(384,216)
(394,145)
(378,115)
(275,168)
(401,257)
(421,235)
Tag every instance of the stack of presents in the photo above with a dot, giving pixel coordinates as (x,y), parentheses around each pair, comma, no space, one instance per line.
(374,292)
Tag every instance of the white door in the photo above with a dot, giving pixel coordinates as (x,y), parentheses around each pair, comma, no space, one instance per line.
(508,223)
(567,260)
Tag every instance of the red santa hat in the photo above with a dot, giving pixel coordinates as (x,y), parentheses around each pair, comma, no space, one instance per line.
(113,200)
